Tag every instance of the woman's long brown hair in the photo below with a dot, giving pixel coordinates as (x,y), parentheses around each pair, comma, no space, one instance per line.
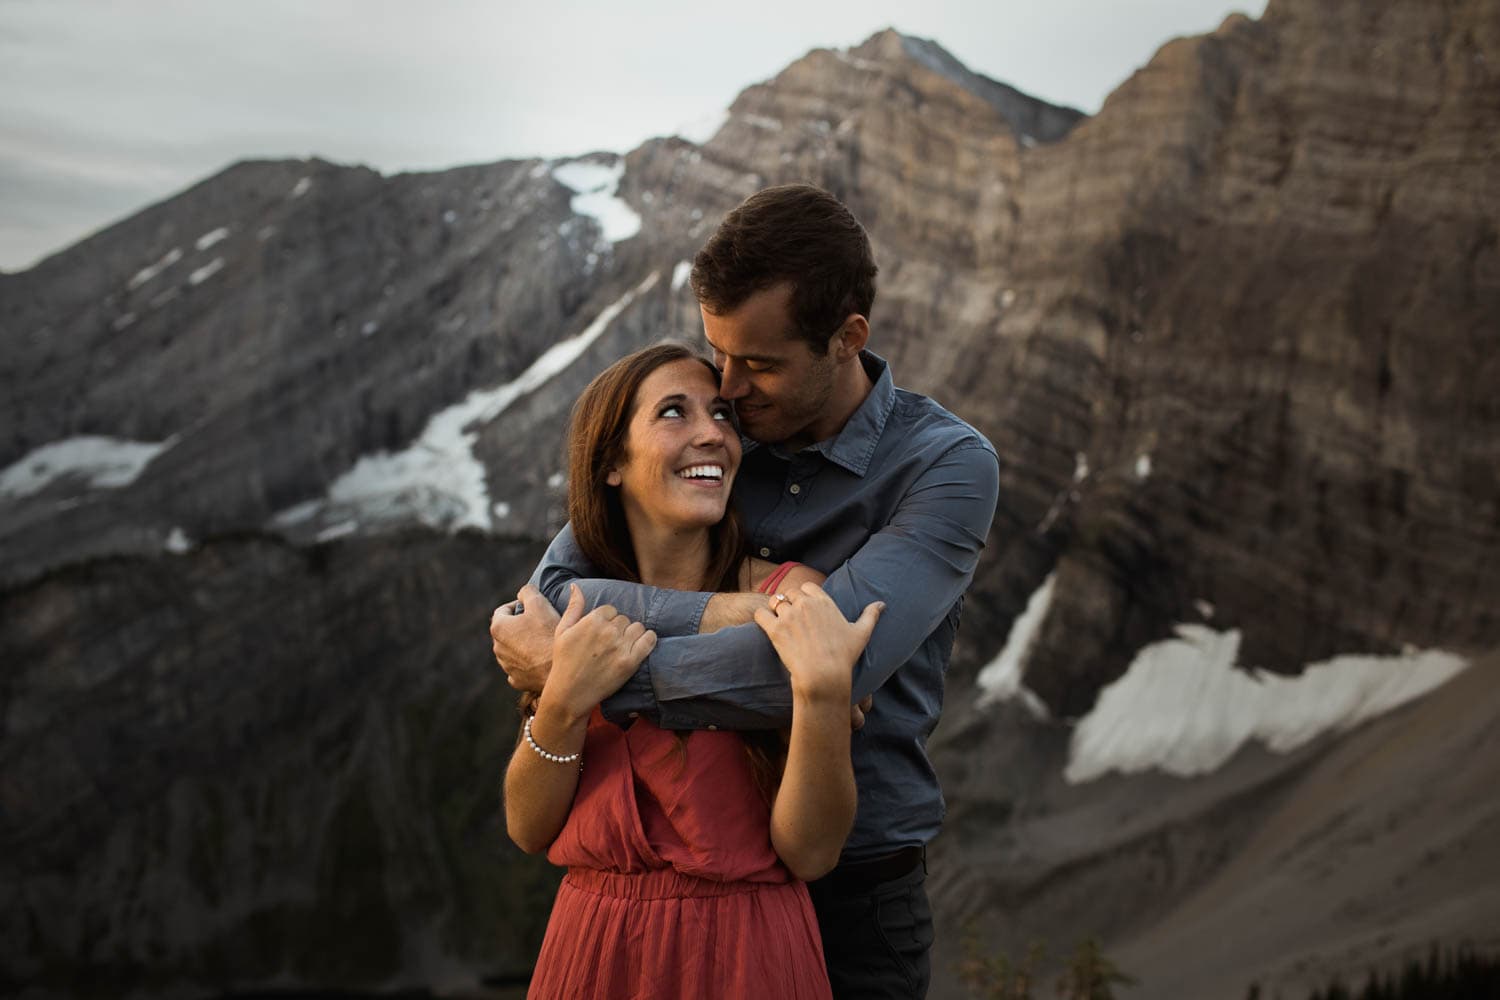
(596,444)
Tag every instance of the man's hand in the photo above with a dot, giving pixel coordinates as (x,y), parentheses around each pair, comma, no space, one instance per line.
(523,641)
(858,711)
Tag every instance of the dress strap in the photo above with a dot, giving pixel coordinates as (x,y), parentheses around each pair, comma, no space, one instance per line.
(774,580)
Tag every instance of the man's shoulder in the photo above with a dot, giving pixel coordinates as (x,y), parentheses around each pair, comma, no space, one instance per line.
(924,424)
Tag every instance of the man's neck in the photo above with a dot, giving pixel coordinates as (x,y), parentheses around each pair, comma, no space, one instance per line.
(851,388)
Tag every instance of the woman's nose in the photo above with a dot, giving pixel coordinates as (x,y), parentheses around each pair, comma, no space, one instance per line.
(710,431)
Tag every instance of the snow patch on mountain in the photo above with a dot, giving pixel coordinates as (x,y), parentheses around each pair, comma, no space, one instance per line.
(178,542)
(1184,706)
(437,481)
(763,123)
(102,462)
(145,274)
(207,271)
(1001,679)
(208,239)
(595,185)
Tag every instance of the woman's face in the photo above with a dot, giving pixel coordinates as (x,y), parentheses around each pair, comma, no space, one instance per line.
(681,451)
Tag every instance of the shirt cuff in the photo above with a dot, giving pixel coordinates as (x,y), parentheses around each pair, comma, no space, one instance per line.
(675,613)
(637,697)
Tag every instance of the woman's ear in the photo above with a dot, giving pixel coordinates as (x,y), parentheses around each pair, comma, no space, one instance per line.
(613,477)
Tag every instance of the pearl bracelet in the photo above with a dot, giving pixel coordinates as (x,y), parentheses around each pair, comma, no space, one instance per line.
(555,758)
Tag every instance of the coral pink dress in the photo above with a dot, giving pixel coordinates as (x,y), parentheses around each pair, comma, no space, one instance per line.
(673,888)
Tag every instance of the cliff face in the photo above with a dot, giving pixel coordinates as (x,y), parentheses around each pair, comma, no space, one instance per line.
(1233,337)
(253,762)
(1262,260)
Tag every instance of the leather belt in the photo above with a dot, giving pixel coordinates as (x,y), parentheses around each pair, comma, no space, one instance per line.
(854,876)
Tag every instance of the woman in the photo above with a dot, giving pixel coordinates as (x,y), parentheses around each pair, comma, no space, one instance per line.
(683,850)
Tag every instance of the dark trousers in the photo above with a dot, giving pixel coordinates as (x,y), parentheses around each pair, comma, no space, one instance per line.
(876,937)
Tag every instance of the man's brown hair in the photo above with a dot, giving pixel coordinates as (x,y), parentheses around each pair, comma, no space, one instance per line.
(795,233)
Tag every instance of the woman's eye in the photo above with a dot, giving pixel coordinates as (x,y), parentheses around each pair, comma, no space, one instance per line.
(722,415)
(670,411)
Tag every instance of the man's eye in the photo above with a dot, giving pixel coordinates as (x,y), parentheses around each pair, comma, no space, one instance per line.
(758,366)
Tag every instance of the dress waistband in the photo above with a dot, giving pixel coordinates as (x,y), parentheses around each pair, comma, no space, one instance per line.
(659,883)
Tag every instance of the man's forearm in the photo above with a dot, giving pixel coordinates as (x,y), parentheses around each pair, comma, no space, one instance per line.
(732,679)
(724,610)
(665,612)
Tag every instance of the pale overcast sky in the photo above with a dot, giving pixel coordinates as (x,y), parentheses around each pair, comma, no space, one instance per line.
(109,105)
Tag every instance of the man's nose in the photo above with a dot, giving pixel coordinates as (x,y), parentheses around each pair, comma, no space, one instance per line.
(733,384)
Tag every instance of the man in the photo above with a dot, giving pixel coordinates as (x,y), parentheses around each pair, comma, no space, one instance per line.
(883,490)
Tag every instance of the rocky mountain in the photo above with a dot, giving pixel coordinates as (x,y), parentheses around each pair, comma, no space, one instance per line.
(272,448)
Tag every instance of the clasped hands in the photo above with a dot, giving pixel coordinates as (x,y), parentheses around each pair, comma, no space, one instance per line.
(522,642)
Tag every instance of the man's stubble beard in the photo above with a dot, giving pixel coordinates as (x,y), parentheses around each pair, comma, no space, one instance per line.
(794,417)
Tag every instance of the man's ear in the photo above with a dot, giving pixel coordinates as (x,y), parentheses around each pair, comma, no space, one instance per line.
(851,338)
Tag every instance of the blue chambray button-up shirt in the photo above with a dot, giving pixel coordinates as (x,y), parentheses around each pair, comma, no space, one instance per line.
(893,508)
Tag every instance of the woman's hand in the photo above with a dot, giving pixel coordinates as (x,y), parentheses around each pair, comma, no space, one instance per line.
(815,643)
(593,655)
(815,803)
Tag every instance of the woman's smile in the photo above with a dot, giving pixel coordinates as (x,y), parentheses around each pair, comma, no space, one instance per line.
(681,451)
(709,475)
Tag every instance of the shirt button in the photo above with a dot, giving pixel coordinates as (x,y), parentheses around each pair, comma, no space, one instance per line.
(795,489)
(765,553)
(713,729)
(635,715)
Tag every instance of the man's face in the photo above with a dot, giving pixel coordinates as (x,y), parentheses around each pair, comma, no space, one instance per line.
(780,388)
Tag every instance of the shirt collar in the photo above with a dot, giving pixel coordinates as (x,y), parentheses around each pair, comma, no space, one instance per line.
(854,446)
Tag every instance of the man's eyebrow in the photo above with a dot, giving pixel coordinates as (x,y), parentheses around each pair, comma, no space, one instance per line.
(769,359)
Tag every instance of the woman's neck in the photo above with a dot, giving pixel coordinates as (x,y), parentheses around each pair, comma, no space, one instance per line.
(675,560)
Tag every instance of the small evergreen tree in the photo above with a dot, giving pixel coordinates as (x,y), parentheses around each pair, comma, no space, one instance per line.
(994,977)
(1090,975)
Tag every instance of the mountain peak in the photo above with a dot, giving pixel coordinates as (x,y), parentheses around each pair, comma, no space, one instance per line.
(1031,118)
